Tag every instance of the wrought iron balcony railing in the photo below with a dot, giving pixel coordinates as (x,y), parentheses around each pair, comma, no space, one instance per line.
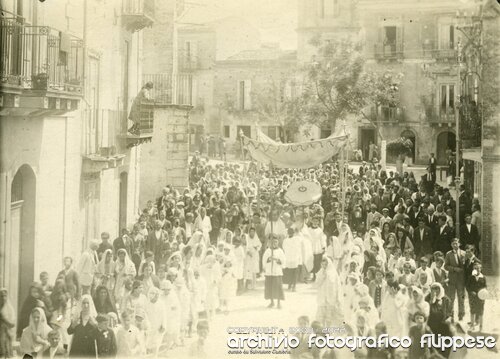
(39,57)
(388,51)
(168,89)
(138,14)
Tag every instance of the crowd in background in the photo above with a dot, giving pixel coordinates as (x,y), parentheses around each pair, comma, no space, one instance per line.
(385,260)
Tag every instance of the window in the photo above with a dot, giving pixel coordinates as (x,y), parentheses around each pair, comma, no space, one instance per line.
(390,35)
(227,131)
(274,132)
(245,129)
(446,36)
(328,8)
(447,98)
(243,94)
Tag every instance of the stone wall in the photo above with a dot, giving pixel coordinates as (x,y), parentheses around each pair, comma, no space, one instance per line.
(165,159)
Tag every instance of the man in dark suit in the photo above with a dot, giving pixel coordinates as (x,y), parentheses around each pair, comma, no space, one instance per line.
(394,198)
(125,242)
(55,349)
(422,239)
(155,240)
(454,263)
(469,234)
(465,203)
(442,236)
(438,196)
(431,220)
(414,213)
(433,164)
(428,181)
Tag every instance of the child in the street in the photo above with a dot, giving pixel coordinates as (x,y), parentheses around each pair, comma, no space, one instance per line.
(227,286)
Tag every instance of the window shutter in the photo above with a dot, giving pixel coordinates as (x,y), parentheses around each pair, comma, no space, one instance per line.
(399,39)
(238,96)
(248,95)
(194,53)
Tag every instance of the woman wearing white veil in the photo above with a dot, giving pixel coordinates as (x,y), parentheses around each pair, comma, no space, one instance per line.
(84,330)
(330,295)
(35,335)
(124,269)
(105,273)
(346,243)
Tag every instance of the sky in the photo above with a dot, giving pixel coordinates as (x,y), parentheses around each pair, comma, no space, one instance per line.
(275,19)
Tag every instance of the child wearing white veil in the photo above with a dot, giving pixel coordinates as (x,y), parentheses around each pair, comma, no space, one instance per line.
(330,295)
(156,319)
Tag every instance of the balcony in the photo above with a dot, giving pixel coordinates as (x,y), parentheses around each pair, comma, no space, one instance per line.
(445,117)
(41,69)
(146,122)
(171,90)
(138,14)
(102,150)
(388,52)
(431,50)
(390,114)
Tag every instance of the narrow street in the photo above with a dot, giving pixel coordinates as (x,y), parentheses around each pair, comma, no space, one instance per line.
(249,310)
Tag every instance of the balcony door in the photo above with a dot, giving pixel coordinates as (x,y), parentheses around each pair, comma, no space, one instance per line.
(93,127)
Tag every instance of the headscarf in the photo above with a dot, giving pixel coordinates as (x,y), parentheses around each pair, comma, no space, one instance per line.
(42,329)
(92,310)
(332,286)
(108,305)
(7,312)
(441,294)
(195,239)
(101,266)
(224,233)
(128,266)
(27,307)
(418,305)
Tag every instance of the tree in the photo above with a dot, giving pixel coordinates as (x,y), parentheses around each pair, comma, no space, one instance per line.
(275,103)
(337,85)
(400,148)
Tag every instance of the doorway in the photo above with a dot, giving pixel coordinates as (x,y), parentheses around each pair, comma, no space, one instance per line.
(446,144)
(122,219)
(22,235)
(366,137)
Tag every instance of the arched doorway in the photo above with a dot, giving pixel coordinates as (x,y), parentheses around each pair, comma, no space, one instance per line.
(22,235)
(411,136)
(446,141)
(122,218)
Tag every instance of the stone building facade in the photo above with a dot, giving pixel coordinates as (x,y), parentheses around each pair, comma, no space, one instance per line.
(68,168)
(417,40)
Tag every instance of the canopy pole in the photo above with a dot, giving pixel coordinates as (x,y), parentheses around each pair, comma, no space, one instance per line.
(345,157)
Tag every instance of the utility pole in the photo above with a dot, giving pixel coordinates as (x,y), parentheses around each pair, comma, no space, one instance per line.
(457,142)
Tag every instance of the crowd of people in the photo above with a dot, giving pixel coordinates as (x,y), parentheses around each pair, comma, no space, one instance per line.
(385,260)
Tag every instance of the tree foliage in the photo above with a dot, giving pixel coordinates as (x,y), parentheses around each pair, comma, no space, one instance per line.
(275,102)
(337,84)
(400,147)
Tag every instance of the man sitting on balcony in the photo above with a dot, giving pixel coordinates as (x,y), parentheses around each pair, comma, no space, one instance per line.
(135,110)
